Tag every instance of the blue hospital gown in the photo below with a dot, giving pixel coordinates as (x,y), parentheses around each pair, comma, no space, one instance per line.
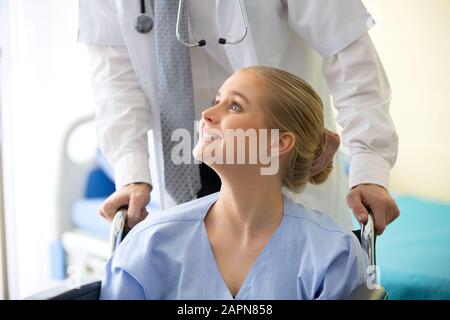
(169,256)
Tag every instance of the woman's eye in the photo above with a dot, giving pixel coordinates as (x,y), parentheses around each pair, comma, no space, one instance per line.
(214,102)
(236,107)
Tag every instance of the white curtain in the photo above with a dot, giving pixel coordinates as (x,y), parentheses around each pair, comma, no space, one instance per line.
(4,294)
(48,87)
(4,40)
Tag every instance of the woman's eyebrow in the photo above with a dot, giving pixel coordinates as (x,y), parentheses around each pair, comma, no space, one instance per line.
(237,93)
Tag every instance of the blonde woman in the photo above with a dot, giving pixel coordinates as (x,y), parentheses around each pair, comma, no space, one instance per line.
(248,241)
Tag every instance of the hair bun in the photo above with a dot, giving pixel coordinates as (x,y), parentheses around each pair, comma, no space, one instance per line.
(325,159)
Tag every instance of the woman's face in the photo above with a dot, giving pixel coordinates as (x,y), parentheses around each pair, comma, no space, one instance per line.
(235,115)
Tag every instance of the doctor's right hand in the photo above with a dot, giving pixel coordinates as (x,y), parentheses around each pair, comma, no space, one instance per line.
(134,195)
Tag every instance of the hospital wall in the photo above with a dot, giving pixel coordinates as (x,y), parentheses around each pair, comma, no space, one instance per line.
(413,41)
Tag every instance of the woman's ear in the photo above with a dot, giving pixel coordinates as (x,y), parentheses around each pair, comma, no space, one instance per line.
(286,142)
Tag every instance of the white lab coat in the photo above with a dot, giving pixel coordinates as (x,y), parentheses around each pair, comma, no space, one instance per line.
(300,36)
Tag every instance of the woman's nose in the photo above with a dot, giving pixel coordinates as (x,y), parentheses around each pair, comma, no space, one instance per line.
(210,115)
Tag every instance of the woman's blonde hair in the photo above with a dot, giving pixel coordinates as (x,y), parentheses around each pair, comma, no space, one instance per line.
(295,107)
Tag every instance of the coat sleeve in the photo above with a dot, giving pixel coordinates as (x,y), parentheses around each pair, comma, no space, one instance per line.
(362,95)
(328,25)
(98,23)
(123,113)
(357,82)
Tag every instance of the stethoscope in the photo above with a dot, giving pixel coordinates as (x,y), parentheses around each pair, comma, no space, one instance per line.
(144,24)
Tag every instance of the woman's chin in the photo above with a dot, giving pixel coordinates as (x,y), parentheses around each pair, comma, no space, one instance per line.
(199,155)
(206,151)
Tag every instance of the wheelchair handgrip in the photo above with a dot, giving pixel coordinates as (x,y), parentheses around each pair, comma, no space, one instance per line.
(119,228)
(368,238)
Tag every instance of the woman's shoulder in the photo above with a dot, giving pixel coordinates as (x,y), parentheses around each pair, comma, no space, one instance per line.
(326,238)
(192,211)
(303,214)
(312,219)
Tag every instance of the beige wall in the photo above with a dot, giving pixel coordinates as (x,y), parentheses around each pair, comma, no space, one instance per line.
(413,40)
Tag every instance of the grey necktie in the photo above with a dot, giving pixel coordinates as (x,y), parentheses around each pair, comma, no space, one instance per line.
(176,98)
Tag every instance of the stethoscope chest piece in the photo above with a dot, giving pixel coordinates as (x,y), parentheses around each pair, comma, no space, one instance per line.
(144,24)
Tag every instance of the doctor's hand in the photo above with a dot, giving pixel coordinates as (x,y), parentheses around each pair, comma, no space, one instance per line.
(378,199)
(134,195)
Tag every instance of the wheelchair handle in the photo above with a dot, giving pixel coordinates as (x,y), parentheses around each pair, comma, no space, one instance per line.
(119,228)
(368,238)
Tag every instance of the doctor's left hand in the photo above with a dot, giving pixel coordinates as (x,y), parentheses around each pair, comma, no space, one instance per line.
(378,199)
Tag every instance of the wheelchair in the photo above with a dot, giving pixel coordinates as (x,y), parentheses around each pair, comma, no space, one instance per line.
(91,290)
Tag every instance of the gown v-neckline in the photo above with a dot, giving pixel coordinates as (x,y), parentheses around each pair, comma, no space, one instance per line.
(253,267)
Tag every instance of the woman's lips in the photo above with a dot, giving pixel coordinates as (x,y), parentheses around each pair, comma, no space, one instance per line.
(211,134)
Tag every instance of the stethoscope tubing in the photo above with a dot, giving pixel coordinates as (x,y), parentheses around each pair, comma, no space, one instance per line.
(144,24)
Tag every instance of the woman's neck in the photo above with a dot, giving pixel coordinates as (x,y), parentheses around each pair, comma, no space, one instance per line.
(248,205)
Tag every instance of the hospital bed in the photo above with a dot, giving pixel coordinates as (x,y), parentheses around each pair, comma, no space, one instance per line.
(90,290)
(414,255)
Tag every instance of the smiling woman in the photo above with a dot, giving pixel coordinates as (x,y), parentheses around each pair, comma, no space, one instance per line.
(248,241)
(237,123)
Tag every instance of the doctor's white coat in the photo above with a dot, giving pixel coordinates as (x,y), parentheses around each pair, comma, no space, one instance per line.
(324,42)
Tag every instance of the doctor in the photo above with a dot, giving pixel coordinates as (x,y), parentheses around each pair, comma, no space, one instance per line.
(300,36)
